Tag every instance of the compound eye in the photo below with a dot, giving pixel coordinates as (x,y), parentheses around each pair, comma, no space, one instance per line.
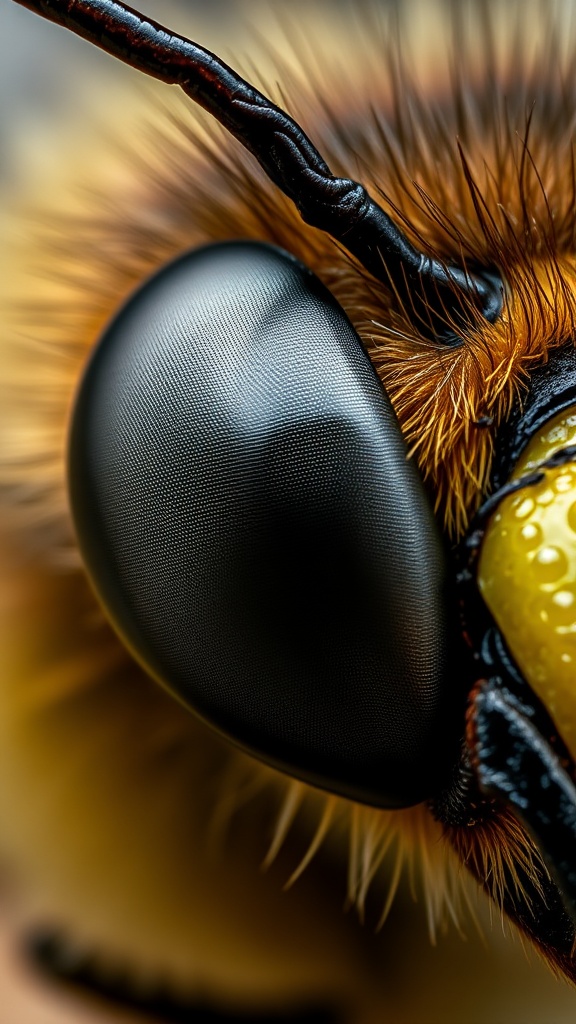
(248,515)
(527,573)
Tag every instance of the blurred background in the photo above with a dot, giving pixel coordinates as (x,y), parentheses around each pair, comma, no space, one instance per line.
(48,75)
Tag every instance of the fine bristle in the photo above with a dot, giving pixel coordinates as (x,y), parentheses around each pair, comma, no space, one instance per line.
(116,807)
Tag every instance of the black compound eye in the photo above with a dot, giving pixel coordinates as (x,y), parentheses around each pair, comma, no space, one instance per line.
(248,515)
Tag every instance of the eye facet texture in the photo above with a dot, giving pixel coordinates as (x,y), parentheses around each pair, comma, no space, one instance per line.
(248,515)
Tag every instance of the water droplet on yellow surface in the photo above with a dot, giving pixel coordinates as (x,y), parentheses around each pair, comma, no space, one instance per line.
(558,435)
(549,564)
(564,608)
(531,535)
(564,483)
(525,507)
(546,497)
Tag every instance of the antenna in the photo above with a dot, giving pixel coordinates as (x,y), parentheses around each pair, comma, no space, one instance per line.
(342,207)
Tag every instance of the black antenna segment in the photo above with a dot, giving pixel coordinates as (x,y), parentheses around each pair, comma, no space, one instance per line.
(435,291)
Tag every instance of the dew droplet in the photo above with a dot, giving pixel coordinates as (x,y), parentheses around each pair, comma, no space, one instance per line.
(524,508)
(563,612)
(549,564)
(564,483)
(557,435)
(546,497)
(530,536)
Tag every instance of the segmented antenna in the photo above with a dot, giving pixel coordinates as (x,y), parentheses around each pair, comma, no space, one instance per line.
(339,206)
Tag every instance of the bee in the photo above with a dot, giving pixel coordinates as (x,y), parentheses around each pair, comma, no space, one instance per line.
(321,480)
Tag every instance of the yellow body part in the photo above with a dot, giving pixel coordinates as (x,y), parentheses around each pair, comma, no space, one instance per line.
(527,574)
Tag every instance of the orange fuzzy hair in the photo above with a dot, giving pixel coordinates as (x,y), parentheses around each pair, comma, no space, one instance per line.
(472,153)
